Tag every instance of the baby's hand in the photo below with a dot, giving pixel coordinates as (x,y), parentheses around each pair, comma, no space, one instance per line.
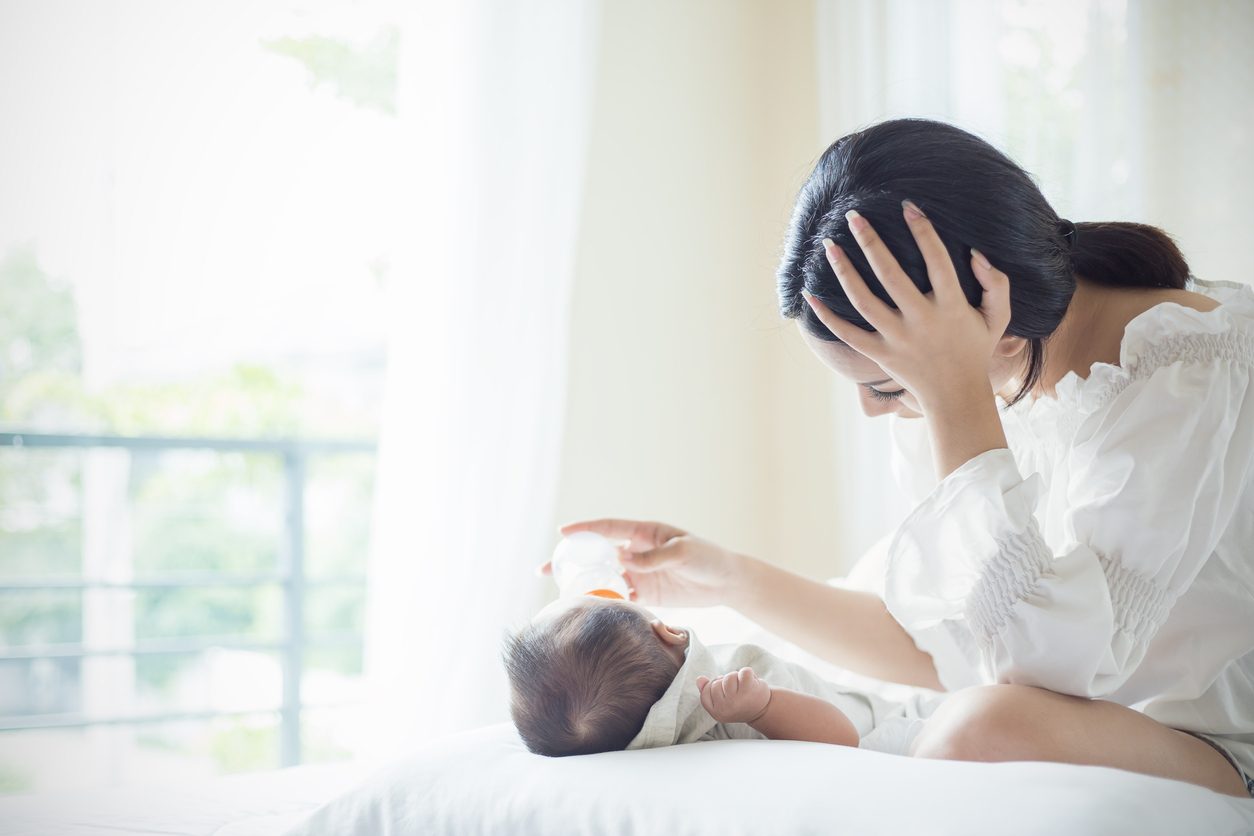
(738,697)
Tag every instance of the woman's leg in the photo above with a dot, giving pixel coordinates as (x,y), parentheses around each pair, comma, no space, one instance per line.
(1019,723)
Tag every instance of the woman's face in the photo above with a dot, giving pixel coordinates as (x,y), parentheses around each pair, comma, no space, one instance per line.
(879,394)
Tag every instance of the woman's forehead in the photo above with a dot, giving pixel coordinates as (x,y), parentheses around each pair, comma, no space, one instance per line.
(846,362)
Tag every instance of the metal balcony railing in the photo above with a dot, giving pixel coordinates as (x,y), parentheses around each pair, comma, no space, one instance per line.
(290,576)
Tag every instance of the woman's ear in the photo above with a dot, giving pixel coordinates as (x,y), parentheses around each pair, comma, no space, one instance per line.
(668,635)
(1010,346)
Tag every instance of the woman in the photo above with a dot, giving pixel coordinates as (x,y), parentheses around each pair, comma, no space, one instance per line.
(1082,574)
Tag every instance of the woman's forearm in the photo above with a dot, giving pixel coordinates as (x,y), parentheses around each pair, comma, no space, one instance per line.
(851,629)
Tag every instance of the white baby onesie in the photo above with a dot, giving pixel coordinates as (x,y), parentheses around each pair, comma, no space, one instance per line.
(679,717)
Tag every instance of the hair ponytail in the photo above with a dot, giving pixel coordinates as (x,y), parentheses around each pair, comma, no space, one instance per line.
(975,196)
(1126,255)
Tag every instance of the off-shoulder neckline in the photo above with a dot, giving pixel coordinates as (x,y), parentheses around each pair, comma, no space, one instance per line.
(1142,332)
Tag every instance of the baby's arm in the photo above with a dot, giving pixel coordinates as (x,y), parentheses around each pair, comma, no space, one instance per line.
(778,713)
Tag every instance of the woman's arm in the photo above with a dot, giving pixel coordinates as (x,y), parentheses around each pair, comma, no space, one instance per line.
(848,628)
(666,566)
(1152,479)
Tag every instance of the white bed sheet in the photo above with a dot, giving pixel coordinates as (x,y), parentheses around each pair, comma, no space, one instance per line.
(253,804)
(486,782)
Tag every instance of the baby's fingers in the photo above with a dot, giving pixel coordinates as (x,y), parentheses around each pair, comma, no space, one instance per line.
(712,698)
(702,681)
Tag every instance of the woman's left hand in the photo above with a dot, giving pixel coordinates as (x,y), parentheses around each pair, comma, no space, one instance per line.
(935,344)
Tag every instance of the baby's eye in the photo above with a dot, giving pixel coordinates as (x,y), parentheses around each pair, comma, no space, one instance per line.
(884,396)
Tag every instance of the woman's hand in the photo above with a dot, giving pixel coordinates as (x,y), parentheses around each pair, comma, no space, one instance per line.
(935,344)
(667,566)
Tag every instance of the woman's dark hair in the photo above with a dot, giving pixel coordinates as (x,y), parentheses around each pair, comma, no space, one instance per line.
(975,196)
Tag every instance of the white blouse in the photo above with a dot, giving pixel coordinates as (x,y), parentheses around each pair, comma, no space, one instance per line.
(1110,551)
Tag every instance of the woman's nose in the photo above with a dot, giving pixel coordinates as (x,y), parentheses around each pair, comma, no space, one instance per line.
(873,406)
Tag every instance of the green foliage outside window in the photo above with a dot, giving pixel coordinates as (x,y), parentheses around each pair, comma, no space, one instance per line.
(190,511)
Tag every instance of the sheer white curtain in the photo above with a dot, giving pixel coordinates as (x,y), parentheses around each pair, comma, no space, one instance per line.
(495,96)
(1123,109)
(882,59)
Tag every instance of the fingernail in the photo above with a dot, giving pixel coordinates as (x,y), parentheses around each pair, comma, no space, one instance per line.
(979,256)
(539,571)
(807,294)
(912,212)
(828,243)
(856,222)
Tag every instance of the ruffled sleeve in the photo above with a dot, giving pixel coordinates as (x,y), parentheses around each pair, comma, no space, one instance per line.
(1154,475)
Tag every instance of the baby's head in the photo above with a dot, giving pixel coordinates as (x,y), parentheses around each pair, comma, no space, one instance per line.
(585,671)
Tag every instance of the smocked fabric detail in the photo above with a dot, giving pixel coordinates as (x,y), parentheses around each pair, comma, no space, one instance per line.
(1140,605)
(1009,577)
(1233,346)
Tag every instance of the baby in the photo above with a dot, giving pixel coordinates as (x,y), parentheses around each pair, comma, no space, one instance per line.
(591,674)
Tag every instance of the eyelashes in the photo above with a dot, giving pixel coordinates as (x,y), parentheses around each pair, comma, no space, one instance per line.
(884,396)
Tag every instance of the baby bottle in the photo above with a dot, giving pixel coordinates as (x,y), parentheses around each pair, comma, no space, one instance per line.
(585,563)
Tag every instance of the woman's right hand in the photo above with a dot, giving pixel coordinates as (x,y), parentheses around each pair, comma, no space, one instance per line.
(666,566)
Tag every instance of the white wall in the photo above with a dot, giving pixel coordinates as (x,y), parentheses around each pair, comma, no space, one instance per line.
(1195,74)
(689,400)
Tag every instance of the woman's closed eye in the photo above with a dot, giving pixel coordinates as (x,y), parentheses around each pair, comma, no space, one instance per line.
(884,396)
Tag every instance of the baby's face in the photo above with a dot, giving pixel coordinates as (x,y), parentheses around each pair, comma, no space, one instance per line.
(674,641)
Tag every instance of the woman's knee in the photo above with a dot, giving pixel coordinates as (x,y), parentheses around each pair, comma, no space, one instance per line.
(986,723)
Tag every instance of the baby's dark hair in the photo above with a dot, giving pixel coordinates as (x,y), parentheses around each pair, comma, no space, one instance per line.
(584,681)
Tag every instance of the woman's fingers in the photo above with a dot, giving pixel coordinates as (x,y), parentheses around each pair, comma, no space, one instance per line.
(940,267)
(863,342)
(873,309)
(654,559)
(899,286)
(995,304)
(643,535)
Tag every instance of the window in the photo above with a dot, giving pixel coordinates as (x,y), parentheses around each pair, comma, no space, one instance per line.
(194,227)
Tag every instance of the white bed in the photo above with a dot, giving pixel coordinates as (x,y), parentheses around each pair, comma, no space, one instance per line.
(254,804)
(486,782)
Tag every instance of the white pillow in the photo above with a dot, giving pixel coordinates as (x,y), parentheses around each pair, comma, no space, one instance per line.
(486,782)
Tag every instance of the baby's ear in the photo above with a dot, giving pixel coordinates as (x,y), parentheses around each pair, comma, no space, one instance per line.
(669,635)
